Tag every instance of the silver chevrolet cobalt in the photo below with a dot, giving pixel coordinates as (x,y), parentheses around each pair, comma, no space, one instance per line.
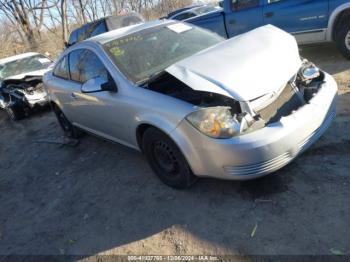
(195,104)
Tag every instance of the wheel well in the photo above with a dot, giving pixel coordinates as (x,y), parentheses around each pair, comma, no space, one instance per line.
(141,129)
(53,105)
(341,17)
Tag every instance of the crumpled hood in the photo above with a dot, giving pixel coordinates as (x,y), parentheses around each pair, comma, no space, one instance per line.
(245,67)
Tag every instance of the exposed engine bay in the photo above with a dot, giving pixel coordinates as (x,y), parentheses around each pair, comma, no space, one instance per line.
(167,84)
(247,116)
(19,96)
(298,92)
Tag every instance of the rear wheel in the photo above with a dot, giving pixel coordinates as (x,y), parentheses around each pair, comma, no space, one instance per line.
(67,127)
(166,159)
(343,39)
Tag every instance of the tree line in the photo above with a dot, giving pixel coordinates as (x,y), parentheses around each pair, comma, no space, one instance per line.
(44,25)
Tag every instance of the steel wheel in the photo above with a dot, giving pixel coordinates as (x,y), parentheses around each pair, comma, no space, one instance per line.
(166,159)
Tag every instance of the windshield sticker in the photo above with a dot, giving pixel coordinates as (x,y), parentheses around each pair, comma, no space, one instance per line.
(126,40)
(44,60)
(179,28)
(116,51)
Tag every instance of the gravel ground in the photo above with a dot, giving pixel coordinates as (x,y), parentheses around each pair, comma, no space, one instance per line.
(102,198)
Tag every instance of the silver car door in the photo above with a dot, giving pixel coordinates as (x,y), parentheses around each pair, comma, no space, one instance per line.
(64,89)
(98,111)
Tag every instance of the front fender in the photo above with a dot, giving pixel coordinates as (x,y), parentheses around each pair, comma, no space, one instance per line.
(164,125)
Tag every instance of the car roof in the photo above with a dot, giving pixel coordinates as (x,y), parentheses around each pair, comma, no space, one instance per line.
(17,57)
(114,34)
(182,10)
(196,9)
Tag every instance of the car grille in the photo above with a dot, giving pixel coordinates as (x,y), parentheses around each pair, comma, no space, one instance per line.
(284,105)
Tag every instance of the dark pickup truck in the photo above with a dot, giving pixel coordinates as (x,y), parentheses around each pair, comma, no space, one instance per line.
(103,25)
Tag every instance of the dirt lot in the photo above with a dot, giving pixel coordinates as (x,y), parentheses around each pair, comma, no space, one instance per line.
(100,197)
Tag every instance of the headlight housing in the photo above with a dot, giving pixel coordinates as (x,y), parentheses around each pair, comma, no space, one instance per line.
(218,122)
(309,71)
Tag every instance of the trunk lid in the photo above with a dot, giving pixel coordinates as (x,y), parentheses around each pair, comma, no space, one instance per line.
(245,67)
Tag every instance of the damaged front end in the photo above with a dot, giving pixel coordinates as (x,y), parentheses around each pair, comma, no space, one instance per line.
(19,96)
(242,84)
(220,116)
(295,94)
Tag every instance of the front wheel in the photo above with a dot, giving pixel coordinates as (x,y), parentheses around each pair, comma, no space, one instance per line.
(343,39)
(166,159)
(67,127)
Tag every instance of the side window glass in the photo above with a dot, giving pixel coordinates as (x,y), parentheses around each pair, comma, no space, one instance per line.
(85,65)
(98,29)
(74,58)
(61,69)
(243,4)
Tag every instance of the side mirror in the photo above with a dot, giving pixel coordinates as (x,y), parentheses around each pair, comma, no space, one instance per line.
(99,84)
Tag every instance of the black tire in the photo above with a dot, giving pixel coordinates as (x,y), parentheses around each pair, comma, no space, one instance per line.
(343,39)
(166,159)
(67,127)
(15,112)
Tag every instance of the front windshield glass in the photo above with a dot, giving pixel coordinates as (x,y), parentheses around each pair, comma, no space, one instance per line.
(143,54)
(24,65)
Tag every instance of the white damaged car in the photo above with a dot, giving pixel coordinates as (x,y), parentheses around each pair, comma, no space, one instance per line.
(195,104)
(21,88)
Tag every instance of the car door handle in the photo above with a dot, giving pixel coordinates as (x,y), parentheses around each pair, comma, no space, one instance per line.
(269,14)
(73,95)
(232,21)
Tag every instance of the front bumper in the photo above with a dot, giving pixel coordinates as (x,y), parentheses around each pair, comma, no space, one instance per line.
(263,151)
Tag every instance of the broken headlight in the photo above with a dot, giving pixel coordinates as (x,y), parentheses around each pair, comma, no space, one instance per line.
(308,71)
(218,122)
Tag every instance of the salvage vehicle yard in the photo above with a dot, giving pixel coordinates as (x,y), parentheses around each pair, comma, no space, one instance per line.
(102,198)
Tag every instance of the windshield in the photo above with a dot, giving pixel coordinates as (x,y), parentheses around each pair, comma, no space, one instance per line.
(24,65)
(143,54)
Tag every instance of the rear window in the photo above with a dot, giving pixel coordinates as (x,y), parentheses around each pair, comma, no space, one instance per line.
(115,22)
(98,28)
